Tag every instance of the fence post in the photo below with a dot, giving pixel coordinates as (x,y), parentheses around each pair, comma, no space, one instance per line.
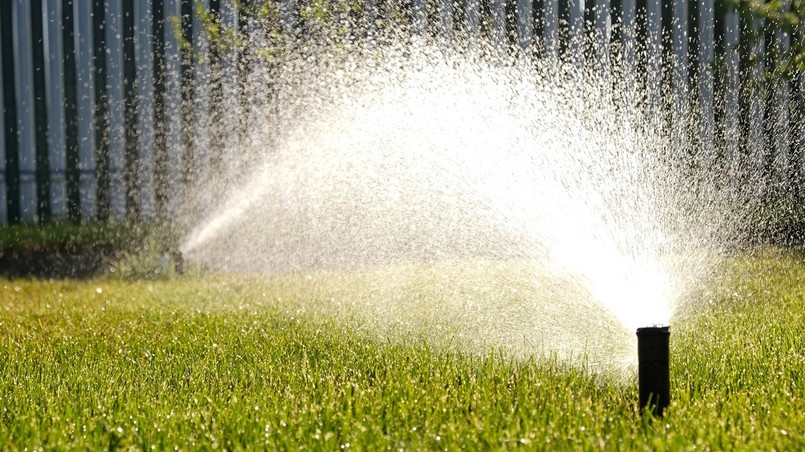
(173,108)
(117,108)
(780,128)
(3,187)
(679,38)
(231,101)
(23,66)
(603,27)
(525,23)
(370,16)
(550,36)
(472,12)
(85,99)
(628,13)
(57,143)
(757,102)
(654,54)
(288,13)
(706,31)
(146,142)
(499,23)
(446,19)
(576,36)
(551,29)
(731,105)
(201,110)
(419,17)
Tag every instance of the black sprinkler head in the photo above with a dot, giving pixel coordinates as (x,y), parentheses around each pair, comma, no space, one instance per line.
(653,376)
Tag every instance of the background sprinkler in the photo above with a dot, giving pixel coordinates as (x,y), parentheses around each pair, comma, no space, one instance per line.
(653,376)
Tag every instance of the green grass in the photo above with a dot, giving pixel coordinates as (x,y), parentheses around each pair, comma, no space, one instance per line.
(247,362)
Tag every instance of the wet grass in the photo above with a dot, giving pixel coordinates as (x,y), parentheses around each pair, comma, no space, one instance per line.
(245,362)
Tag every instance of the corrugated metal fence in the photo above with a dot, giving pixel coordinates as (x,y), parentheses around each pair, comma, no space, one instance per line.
(93,90)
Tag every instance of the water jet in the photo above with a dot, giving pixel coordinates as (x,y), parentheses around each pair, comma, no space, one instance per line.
(653,370)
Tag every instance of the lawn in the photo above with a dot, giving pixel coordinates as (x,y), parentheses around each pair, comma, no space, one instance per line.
(308,360)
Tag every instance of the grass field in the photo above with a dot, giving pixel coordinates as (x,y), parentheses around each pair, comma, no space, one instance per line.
(214,361)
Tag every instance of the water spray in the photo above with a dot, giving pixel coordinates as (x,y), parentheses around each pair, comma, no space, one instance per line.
(653,372)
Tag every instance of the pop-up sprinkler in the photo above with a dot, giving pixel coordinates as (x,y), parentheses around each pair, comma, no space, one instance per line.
(653,376)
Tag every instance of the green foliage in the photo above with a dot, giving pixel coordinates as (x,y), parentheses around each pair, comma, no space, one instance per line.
(71,237)
(243,362)
(781,15)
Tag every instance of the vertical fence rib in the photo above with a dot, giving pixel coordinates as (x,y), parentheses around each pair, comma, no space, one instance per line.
(3,186)
(628,16)
(768,142)
(782,93)
(231,100)
(173,107)
(499,23)
(201,110)
(117,106)
(472,13)
(706,55)
(757,96)
(85,99)
(419,17)
(679,38)
(23,66)
(550,34)
(143,48)
(525,23)
(654,54)
(576,32)
(732,130)
(57,127)
(288,13)
(370,17)
(801,135)
(603,29)
(446,19)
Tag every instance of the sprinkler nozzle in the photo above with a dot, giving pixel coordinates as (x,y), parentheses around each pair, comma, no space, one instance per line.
(653,374)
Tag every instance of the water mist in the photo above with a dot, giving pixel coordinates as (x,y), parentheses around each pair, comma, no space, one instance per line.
(498,198)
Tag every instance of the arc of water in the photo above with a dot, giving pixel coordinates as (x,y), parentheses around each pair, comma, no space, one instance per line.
(23,66)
